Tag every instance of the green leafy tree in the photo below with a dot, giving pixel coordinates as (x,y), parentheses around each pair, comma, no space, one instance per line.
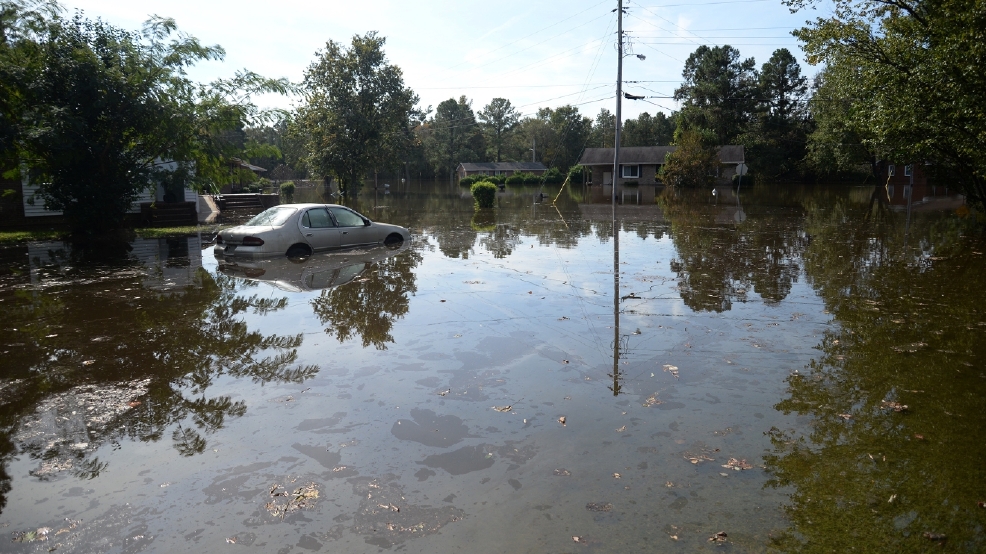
(835,145)
(692,164)
(453,136)
(648,130)
(356,111)
(776,135)
(912,74)
(97,114)
(603,134)
(498,119)
(718,92)
(571,132)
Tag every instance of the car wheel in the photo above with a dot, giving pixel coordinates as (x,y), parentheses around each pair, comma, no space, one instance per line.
(299,251)
(393,240)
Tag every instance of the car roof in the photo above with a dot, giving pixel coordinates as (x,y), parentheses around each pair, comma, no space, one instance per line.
(307,205)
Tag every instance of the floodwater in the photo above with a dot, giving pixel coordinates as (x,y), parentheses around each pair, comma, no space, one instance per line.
(794,369)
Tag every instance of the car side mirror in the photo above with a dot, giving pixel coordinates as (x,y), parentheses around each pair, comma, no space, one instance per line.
(366,222)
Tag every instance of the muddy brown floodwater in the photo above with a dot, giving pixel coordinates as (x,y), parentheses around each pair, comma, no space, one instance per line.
(795,369)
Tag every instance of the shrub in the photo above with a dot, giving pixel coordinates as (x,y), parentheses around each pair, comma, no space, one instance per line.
(553,176)
(484,193)
(287,191)
(576,174)
(469,180)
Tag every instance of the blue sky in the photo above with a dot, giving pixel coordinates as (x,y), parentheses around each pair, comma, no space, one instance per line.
(544,53)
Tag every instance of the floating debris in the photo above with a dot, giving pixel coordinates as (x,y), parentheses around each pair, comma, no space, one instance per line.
(846,417)
(935,537)
(302,498)
(599,507)
(616,476)
(895,406)
(444,392)
(39,534)
(503,408)
(737,465)
(652,400)
(699,458)
(673,370)
(718,537)
(562,472)
(562,420)
(621,429)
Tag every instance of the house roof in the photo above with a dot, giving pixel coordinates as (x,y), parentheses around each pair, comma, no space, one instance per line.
(729,154)
(236,162)
(504,166)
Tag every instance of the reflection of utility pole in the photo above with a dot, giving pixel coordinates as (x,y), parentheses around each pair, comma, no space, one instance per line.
(534,149)
(910,194)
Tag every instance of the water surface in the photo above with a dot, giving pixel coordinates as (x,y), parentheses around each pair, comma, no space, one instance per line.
(798,368)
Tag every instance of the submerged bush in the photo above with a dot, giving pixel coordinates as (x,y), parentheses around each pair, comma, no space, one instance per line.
(287,191)
(484,193)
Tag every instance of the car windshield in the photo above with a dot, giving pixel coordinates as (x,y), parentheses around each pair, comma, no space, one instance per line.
(272,216)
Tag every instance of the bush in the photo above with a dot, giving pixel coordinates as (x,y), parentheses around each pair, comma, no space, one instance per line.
(287,191)
(576,174)
(484,193)
(553,176)
(470,180)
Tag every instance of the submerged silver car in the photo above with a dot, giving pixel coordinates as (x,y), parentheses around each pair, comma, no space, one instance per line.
(302,229)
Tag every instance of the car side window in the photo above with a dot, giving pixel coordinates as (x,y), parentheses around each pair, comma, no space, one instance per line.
(346,218)
(317,218)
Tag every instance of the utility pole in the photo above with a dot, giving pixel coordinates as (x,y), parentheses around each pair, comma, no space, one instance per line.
(619,96)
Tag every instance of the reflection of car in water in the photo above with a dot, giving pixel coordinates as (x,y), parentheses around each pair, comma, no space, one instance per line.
(316,272)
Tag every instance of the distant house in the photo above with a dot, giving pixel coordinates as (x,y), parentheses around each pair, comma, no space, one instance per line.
(641,164)
(911,180)
(499,168)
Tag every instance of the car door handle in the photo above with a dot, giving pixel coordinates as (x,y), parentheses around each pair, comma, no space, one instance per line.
(345,232)
(308,234)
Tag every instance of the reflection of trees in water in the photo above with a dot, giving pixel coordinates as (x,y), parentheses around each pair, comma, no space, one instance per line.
(368,305)
(130,364)
(910,323)
(718,263)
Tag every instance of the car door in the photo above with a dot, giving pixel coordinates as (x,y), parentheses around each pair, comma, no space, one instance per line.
(353,230)
(319,229)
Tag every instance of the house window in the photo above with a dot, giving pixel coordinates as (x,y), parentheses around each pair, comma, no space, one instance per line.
(630,171)
(891,170)
(907,170)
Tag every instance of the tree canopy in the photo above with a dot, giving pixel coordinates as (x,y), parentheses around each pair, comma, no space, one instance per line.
(356,113)
(908,79)
(96,114)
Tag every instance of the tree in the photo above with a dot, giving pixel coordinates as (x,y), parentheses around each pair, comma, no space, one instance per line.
(571,132)
(718,92)
(96,113)
(777,132)
(911,73)
(647,130)
(499,118)
(692,164)
(454,136)
(356,111)
(835,145)
(603,133)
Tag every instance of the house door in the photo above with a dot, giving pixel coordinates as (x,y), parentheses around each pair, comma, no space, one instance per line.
(607,177)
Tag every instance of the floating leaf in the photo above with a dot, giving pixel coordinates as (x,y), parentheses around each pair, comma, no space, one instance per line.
(503,408)
(673,370)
